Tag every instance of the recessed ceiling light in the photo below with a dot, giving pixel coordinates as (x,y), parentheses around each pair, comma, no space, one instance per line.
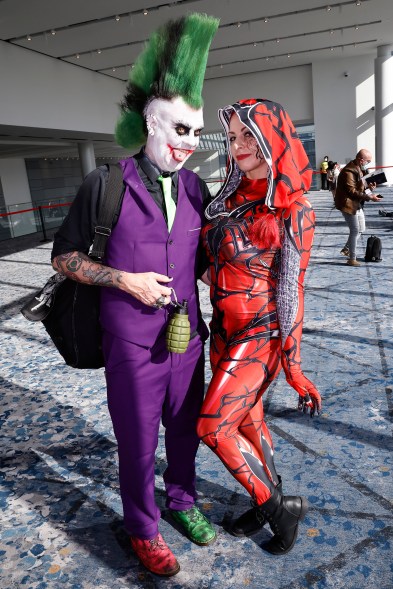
(289,55)
(145,12)
(28,38)
(77,56)
(113,69)
(99,51)
(53,32)
(255,44)
(358,2)
(332,32)
(117,18)
(356,27)
(277,40)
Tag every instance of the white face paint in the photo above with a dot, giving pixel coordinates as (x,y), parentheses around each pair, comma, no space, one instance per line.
(173,132)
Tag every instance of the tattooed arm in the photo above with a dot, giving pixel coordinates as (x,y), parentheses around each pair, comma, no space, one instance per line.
(144,286)
(72,242)
(299,222)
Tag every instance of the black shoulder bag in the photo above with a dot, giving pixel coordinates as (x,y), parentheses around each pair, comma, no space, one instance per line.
(70,310)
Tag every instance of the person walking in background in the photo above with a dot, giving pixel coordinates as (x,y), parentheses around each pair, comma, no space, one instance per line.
(336,171)
(153,247)
(323,170)
(329,174)
(351,194)
(336,168)
(258,241)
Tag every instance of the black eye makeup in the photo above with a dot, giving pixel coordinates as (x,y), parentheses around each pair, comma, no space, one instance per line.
(182,129)
(246,136)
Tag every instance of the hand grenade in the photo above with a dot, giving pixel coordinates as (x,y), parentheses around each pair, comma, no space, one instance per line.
(178,330)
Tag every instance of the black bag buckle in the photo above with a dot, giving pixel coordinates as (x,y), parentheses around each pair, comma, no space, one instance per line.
(103,230)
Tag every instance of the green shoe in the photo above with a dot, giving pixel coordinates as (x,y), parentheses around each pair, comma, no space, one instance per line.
(197,527)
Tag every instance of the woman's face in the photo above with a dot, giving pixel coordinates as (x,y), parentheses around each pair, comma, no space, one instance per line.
(245,150)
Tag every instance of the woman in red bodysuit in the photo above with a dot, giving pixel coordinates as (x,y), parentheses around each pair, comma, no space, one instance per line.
(258,241)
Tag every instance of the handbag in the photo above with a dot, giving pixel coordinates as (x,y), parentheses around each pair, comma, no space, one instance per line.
(70,310)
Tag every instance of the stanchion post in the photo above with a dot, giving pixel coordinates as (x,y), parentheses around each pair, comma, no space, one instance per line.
(43,226)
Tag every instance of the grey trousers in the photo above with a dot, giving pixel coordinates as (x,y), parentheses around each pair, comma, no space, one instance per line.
(357,226)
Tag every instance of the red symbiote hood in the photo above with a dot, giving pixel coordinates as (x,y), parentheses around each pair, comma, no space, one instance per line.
(290,173)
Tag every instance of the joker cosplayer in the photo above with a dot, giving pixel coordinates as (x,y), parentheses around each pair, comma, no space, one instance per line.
(152,248)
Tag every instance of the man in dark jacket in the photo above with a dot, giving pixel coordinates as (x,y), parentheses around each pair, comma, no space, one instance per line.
(152,253)
(351,194)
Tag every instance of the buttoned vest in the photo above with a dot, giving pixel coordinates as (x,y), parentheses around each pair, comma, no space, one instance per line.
(140,242)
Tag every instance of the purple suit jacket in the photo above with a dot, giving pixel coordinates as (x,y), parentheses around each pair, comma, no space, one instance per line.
(140,242)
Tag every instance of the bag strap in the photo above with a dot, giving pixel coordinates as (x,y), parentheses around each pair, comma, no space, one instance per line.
(109,207)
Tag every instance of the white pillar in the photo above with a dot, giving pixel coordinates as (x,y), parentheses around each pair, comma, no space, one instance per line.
(87,157)
(384,109)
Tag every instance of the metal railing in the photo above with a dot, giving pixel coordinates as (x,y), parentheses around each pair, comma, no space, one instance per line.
(27,218)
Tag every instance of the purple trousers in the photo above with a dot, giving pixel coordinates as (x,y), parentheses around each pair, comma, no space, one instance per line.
(145,385)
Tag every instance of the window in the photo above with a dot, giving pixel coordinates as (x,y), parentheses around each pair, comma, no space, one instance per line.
(307,137)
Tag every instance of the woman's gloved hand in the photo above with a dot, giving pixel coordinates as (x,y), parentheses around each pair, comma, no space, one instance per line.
(309,398)
(310,404)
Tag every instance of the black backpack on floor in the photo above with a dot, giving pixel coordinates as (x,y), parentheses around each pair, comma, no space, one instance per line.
(373,249)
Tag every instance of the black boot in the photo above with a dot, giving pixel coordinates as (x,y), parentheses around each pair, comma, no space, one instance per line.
(253,520)
(283,514)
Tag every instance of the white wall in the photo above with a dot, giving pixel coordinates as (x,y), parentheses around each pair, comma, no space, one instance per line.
(47,93)
(340,107)
(344,121)
(14,180)
(292,87)
(16,190)
(39,91)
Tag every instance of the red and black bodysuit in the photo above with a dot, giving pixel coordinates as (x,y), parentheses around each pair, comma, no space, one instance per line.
(257,297)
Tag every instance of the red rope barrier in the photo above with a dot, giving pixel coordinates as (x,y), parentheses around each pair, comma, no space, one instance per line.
(314,172)
(66,204)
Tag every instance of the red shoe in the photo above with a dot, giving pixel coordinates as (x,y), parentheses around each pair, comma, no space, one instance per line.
(156,556)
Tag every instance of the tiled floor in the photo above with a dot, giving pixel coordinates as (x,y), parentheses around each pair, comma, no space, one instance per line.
(61,513)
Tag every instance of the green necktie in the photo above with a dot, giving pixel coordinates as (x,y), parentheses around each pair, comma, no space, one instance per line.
(166,184)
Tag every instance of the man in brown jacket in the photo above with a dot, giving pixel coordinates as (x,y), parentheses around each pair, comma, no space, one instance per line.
(351,193)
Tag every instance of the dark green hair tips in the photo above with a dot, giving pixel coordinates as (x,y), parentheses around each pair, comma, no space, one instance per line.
(173,63)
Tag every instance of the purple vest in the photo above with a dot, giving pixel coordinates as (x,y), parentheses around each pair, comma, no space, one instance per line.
(140,242)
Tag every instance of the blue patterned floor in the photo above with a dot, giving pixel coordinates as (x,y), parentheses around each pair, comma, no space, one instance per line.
(61,514)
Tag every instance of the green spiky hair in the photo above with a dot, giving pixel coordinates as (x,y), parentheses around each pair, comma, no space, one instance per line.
(173,63)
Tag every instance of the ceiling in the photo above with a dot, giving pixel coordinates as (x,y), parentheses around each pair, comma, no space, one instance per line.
(254,35)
